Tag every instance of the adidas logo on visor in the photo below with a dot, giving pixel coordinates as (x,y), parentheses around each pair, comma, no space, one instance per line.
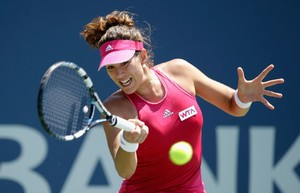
(108,48)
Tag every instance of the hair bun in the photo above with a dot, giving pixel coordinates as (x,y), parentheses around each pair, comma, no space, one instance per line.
(94,30)
(119,18)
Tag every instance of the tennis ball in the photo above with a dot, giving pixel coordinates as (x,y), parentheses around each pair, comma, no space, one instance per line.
(180,153)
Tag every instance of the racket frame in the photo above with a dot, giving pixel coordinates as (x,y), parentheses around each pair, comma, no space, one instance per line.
(113,120)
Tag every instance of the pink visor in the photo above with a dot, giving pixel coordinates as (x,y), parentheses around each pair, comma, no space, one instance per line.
(118,51)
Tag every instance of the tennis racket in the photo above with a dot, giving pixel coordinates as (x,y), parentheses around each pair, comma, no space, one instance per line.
(67,102)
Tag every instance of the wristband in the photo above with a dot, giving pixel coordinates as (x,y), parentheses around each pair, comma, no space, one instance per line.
(127,146)
(240,103)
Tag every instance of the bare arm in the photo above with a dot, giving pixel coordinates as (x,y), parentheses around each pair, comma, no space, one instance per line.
(125,162)
(218,94)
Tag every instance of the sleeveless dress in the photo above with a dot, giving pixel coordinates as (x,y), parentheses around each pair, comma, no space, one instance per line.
(177,117)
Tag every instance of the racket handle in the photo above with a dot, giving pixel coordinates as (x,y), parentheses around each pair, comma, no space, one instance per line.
(122,123)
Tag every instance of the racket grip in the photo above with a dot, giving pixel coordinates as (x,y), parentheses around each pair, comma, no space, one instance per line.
(122,123)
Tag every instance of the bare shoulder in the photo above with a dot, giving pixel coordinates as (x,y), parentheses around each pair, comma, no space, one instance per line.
(119,104)
(182,72)
(175,67)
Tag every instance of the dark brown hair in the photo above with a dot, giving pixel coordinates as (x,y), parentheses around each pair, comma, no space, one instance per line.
(115,25)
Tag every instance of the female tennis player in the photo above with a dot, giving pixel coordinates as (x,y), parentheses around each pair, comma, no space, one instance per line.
(161,100)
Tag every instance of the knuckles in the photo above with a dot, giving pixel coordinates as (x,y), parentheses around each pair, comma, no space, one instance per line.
(139,134)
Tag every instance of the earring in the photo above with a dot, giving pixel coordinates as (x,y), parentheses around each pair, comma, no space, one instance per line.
(144,65)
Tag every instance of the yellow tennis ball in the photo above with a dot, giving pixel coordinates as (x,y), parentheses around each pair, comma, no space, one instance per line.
(181,153)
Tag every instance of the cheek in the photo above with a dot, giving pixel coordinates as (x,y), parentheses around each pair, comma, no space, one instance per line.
(138,72)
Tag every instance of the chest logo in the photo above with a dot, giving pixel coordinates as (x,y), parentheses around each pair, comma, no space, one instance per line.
(187,113)
(167,113)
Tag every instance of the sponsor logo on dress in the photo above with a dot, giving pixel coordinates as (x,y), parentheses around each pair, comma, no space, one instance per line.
(187,113)
(167,113)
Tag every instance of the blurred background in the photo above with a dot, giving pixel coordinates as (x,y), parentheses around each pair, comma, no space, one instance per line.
(259,153)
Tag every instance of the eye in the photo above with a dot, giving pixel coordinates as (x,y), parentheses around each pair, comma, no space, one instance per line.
(125,63)
(110,67)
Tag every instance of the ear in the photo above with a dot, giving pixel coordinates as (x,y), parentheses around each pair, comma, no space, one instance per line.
(144,56)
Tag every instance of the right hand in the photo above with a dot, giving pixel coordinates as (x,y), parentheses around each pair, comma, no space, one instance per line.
(138,134)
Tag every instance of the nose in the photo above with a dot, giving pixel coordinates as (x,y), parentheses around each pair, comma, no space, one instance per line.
(119,73)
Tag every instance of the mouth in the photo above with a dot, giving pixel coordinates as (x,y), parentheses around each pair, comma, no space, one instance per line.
(126,82)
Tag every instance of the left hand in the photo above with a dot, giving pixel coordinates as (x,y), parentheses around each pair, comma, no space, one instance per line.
(255,89)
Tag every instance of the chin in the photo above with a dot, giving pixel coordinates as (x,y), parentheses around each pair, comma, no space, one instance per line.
(128,91)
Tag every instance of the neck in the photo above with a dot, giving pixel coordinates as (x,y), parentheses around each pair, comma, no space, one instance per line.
(152,90)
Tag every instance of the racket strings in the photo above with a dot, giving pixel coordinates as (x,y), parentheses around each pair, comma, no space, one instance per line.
(66,102)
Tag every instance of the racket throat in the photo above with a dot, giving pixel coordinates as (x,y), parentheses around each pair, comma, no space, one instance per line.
(112,119)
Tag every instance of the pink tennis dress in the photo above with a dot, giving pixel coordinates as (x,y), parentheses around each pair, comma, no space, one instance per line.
(177,117)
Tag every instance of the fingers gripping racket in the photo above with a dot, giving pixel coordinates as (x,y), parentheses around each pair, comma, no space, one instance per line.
(67,102)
